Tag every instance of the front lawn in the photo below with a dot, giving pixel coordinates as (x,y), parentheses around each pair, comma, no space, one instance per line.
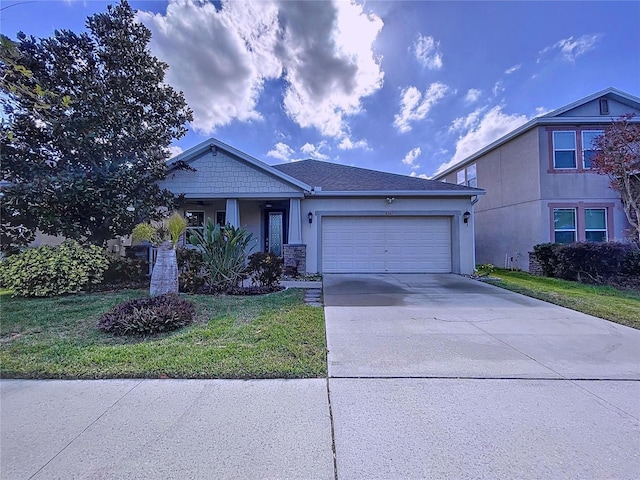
(270,336)
(600,301)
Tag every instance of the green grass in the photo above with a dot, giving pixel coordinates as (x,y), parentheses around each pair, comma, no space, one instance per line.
(600,301)
(271,336)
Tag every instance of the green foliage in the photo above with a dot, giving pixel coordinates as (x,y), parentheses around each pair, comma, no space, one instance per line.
(49,271)
(123,270)
(545,253)
(192,275)
(148,316)
(265,268)
(168,229)
(484,269)
(85,142)
(224,250)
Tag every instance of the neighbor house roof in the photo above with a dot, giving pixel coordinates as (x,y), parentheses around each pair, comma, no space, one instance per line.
(552,118)
(332,178)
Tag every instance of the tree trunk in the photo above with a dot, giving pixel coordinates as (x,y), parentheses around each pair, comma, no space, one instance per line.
(164,278)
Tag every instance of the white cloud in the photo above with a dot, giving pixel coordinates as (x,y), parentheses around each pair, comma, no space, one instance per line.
(482,131)
(415,106)
(498,88)
(427,51)
(461,123)
(221,58)
(281,151)
(313,151)
(422,175)
(174,150)
(570,49)
(513,69)
(348,144)
(473,94)
(411,156)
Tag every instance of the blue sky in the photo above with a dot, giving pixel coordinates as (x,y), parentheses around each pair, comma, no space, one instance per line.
(403,87)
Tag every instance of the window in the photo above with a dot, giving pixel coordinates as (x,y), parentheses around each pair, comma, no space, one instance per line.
(221,218)
(604,106)
(195,221)
(472,180)
(564,149)
(595,224)
(588,146)
(460,180)
(564,225)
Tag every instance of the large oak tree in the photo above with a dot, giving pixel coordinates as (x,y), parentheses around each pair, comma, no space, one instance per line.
(86,125)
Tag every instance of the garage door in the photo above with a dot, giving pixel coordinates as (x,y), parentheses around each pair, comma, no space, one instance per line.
(386,244)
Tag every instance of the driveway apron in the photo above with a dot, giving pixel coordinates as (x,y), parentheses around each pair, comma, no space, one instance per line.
(441,376)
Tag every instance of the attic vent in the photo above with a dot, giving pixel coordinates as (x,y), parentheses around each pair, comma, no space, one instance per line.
(604,106)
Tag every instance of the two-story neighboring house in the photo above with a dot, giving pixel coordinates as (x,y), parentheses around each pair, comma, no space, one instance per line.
(539,185)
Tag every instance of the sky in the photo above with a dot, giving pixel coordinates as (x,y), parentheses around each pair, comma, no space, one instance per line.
(402,87)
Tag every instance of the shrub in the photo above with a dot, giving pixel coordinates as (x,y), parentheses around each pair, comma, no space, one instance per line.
(148,316)
(631,262)
(123,270)
(224,253)
(192,275)
(590,262)
(484,269)
(546,255)
(265,268)
(50,271)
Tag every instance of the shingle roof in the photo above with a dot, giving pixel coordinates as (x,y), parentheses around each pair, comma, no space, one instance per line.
(334,177)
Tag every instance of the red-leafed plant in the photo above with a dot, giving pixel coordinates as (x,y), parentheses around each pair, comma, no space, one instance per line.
(618,156)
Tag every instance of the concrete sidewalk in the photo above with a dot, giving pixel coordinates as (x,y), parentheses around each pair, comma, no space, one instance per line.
(165,429)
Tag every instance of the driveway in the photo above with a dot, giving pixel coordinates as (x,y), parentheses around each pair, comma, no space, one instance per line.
(440,376)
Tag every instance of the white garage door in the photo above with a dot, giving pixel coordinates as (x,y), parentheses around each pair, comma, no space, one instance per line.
(386,244)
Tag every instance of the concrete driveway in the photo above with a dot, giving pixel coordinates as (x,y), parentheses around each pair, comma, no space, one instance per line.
(440,376)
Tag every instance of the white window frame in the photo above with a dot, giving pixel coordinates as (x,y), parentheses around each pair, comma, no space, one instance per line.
(588,148)
(189,228)
(574,150)
(470,179)
(606,229)
(463,180)
(575,223)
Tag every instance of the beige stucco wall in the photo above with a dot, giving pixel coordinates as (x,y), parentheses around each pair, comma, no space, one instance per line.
(453,207)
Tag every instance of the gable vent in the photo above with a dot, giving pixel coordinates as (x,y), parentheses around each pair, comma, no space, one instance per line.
(604,106)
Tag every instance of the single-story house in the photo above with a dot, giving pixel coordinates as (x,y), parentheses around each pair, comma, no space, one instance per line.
(330,218)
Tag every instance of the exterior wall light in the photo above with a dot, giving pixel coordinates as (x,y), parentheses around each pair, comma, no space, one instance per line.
(310,217)
(390,200)
(465,217)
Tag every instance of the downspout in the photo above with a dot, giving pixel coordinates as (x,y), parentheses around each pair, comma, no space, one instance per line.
(473,228)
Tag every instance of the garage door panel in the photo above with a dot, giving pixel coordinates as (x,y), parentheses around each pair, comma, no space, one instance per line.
(386,244)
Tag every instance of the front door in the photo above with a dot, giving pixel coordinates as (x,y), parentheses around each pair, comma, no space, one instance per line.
(275,233)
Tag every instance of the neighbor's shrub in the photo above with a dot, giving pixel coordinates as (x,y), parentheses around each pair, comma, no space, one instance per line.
(265,268)
(224,250)
(50,271)
(484,269)
(631,262)
(192,274)
(147,316)
(545,253)
(590,262)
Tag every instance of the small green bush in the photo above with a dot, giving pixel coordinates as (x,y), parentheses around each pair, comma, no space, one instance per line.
(631,263)
(50,271)
(123,270)
(148,316)
(192,273)
(265,268)
(546,255)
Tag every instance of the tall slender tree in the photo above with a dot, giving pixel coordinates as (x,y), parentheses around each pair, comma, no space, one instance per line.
(618,156)
(87,122)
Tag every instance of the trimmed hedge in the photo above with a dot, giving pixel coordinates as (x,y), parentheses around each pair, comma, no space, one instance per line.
(49,271)
(588,262)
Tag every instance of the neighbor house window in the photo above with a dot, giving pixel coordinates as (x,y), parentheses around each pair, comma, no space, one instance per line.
(195,221)
(472,178)
(588,146)
(595,224)
(460,179)
(564,225)
(564,149)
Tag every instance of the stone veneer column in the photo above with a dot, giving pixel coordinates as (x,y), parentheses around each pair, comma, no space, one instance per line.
(233,212)
(295,258)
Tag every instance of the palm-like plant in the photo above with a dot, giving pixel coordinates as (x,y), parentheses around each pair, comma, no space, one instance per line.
(224,249)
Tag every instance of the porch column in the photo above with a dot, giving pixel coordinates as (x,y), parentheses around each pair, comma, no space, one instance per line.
(233,212)
(295,229)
